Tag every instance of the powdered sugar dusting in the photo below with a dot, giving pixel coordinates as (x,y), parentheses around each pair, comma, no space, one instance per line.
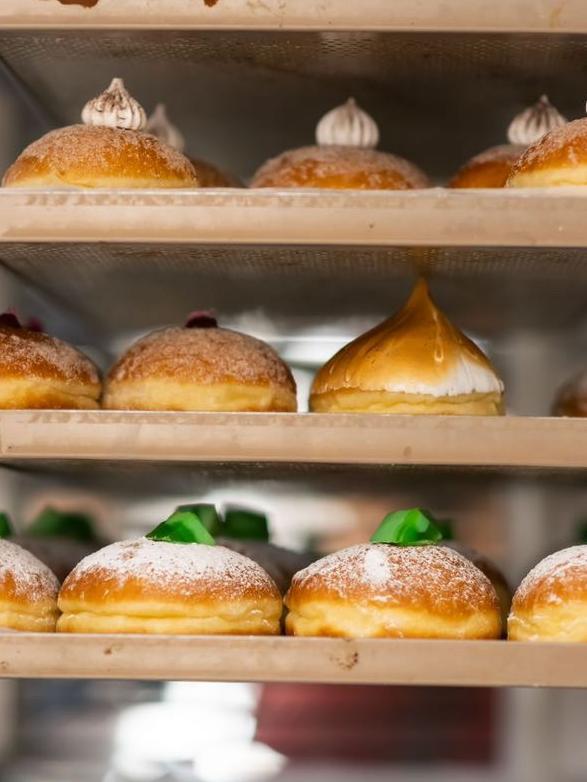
(202,356)
(552,573)
(316,164)
(34,354)
(400,575)
(172,569)
(24,576)
(566,144)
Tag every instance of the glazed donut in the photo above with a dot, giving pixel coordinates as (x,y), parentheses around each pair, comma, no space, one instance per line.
(148,586)
(28,591)
(344,158)
(200,367)
(551,602)
(383,591)
(110,150)
(39,371)
(571,400)
(416,362)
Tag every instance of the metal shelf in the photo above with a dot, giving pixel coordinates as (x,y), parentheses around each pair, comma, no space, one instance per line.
(320,660)
(300,256)
(541,443)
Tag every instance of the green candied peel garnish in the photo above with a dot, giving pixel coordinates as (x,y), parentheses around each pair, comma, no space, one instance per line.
(245,525)
(183,526)
(51,522)
(407,528)
(207,514)
(5,526)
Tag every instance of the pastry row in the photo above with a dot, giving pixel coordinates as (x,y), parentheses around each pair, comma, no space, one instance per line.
(117,146)
(415,362)
(404,583)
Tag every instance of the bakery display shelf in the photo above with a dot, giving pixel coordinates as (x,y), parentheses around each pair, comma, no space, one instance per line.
(289,438)
(303,258)
(438,98)
(547,16)
(318,660)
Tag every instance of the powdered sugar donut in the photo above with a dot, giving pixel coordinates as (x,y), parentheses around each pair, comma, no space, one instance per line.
(386,591)
(148,586)
(200,368)
(551,602)
(28,591)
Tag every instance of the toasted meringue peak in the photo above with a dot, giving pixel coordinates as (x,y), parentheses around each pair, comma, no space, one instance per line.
(115,108)
(417,351)
(530,125)
(347,126)
(159,125)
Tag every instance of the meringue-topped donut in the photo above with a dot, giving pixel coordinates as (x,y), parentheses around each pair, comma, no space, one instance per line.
(381,590)
(109,150)
(28,591)
(414,362)
(551,602)
(179,588)
(343,158)
(39,371)
(200,367)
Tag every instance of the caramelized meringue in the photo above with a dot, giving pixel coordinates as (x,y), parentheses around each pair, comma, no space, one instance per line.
(115,108)
(414,362)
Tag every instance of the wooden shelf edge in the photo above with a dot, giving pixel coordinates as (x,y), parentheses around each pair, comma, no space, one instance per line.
(294,438)
(320,660)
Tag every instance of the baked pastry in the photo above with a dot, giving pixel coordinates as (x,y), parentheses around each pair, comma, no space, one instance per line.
(109,150)
(416,362)
(344,158)
(176,581)
(159,125)
(39,371)
(200,367)
(28,591)
(490,569)
(571,400)
(492,167)
(551,602)
(393,589)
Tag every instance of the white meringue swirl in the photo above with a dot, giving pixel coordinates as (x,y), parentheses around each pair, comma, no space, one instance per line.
(115,108)
(347,126)
(159,125)
(534,122)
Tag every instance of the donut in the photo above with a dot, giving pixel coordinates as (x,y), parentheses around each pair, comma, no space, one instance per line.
(492,167)
(208,175)
(200,367)
(42,372)
(28,591)
(280,563)
(344,158)
(151,586)
(551,602)
(375,590)
(571,399)
(557,160)
(110,150)
(416,362)
(493,573)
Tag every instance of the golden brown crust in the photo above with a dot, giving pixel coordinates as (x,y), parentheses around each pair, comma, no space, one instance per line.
(376,590)
(39,371)
(211,176)
(340,168)
(571,399)
(100,157)
(28,591)
(551,601)
(149,586)
(490,168)
(558,159)
(200,369)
